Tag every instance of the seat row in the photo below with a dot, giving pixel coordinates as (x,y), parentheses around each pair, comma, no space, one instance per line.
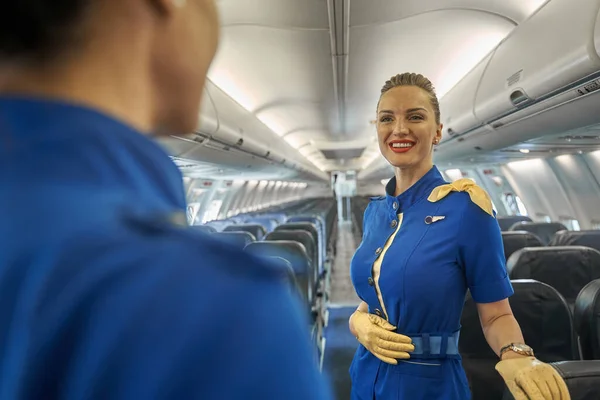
(570,341)
(299,241)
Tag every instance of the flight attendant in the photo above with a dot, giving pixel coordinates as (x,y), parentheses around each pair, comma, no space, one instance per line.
(424,244)
(106,293)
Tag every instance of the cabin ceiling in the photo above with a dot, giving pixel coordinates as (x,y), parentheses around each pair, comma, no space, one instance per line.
(311,70)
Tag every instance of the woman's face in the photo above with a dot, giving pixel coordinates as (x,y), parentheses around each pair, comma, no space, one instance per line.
(406,127)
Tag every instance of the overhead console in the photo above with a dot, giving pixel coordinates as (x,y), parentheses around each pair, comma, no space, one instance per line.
(229,135)
(544,78)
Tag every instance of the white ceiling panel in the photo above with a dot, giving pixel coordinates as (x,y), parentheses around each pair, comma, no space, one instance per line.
(298,65)
(303,137)
(377,12)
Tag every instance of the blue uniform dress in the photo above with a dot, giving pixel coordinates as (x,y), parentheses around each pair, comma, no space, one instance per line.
(440,249)
(106,294)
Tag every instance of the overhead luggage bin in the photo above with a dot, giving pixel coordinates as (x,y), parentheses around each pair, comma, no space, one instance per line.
(457,105)
(232,136)
(553,53)
(543,79)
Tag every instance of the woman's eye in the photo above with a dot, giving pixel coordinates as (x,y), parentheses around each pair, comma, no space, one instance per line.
(385,119)
(415,117)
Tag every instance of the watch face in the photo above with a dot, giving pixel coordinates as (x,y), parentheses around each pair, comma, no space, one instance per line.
(523,348)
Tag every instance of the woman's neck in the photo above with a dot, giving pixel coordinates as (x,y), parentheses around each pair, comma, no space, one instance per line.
(406,177)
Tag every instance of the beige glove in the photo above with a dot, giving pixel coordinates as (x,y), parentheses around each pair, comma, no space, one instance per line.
(528,378)
(375,334)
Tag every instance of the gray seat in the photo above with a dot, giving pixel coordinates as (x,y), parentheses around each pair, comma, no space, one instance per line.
(506,222)
(204,228)
(517,240)
(291,251)
(547,326)
(544,230)
(577,238)
(587,320)
(567,269)
(581,377)
(239,240)
(258,231)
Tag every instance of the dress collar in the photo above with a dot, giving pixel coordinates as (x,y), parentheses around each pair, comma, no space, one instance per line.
(422,188)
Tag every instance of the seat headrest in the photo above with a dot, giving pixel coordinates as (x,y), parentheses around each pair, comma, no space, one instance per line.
(516,240)
(257,230)
(289,250)
(567,269)
(587,319)
(577,238)
(307,226)
(237,239)
(506,222)
(204,228)
(543,315)
(544,230)
(302,236)
(287,271)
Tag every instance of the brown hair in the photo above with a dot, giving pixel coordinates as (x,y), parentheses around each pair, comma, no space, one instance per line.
(418,80)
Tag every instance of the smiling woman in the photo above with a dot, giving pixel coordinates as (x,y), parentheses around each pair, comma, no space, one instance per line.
(424,244)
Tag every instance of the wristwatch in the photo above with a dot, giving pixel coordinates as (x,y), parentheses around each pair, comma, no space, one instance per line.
(518,348)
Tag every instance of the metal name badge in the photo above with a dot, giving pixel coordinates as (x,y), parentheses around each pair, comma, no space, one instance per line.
(431,219)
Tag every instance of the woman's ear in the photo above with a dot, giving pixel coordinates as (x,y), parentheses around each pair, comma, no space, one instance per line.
(438,134)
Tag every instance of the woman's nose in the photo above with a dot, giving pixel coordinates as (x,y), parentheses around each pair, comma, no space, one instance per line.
(400,126)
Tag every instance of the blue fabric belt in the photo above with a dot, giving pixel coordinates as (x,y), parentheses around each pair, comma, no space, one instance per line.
(435,346)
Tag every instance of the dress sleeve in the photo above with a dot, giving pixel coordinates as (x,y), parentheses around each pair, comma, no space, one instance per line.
(481,254)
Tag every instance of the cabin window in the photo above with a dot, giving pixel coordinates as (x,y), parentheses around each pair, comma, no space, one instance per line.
(542,217)
(213,211)
(571,223)
(514,205)
(192,212)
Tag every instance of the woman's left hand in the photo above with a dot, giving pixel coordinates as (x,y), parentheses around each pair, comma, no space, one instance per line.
(528,378)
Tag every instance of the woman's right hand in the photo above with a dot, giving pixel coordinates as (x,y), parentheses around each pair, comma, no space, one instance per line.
(375,333)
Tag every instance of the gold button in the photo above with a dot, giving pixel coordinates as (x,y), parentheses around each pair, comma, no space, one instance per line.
(394,223)
(378,251)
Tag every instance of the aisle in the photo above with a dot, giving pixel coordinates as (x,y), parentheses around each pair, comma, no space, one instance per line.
(340,344)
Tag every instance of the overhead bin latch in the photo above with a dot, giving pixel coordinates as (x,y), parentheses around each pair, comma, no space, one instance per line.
(519,98)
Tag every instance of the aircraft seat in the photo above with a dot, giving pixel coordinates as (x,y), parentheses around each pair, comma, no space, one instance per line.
(577,238)
(517,240)
(547,326)
(506,222)
(587,320)
(582,379)
(319,222)
(306,226)
(268,223)
(544,230)
(291,251)
(219,224)
(257,230)
(298,235)
(204,228)
(287,271)
(567,268)
(239,240)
